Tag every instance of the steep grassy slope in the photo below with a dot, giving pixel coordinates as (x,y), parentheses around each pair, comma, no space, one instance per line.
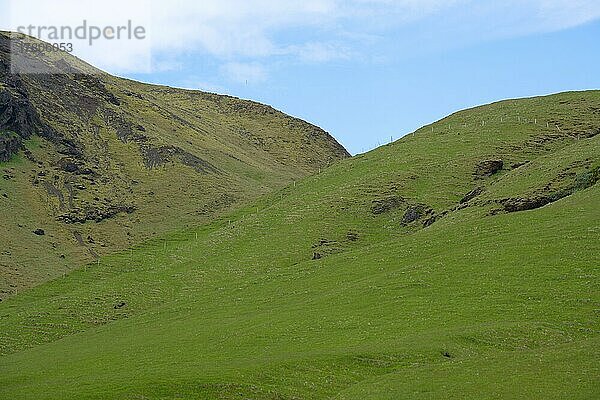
(418,270)
(100,163)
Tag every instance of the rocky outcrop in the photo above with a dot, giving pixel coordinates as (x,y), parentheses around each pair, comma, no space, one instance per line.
(96,214)
(16,113)
(472,194)
(523,204)
(9,145)
(18,119)
(487,168)
(156,156)
(415,213)
(73,166)
(582,182)
(380,206)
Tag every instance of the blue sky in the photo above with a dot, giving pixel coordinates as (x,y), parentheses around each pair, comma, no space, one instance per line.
(364,70)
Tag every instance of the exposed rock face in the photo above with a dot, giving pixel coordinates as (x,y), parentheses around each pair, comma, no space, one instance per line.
(157,156)
(18,119)
(9,145)
(414,213)
(432,217)
(16,113)
(73,166)
(472,194)
(384,205)
(19,115)
(96,214)
(583,181)
(487,168)
(519,204)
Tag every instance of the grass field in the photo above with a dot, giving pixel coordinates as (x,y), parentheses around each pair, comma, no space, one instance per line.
(328,289)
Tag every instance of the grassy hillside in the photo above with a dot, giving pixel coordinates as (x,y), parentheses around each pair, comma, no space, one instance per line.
(97,163)
(460,261)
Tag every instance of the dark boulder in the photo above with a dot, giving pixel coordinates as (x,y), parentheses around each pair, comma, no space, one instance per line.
(487,168)
(39,232)
(74,167)
(67,165)
(120,304)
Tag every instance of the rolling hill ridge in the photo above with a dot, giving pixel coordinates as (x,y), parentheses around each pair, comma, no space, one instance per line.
(459,261)
(92,164)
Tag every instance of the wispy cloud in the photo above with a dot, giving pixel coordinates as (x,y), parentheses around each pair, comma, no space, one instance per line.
(245,35)
(319,52)
(561,14)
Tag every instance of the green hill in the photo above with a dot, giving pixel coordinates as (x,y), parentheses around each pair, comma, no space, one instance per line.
(458,262)
(94,164)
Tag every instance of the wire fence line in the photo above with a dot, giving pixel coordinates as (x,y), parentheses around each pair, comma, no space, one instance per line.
(550,124)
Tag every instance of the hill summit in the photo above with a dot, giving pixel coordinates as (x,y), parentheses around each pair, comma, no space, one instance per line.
(99,163)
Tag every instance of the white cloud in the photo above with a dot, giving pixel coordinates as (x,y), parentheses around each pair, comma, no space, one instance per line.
(127,54)
(314,31)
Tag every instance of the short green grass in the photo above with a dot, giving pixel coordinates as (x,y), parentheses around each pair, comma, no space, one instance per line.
(477,305)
